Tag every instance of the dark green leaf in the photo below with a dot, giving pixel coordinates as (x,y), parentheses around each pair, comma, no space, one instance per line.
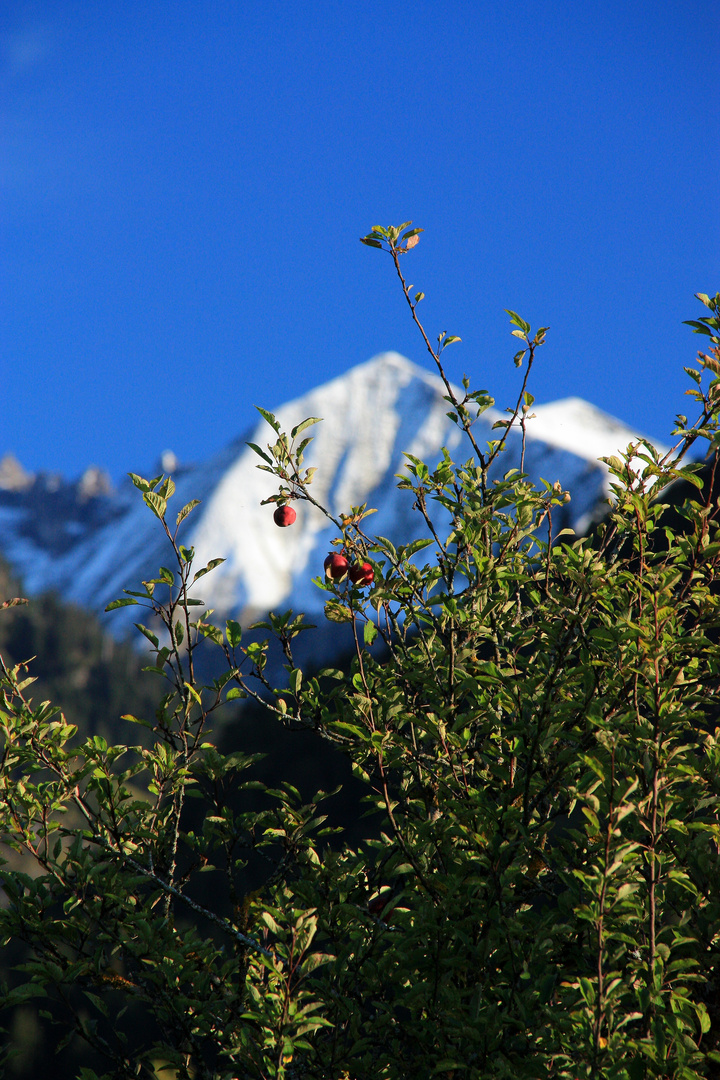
(148,634)
(268,416)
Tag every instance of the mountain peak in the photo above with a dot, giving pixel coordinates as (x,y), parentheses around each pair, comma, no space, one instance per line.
(373,414)
(575,425)
(13,477)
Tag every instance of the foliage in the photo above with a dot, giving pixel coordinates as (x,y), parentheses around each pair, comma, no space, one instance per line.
(532,716)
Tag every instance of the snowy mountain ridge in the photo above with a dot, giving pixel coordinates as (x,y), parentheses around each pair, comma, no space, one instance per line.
(89,551)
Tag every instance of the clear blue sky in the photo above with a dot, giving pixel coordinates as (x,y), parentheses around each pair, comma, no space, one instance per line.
(184,185)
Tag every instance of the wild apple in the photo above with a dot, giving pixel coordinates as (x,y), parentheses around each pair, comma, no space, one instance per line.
(284,515)
(361,574)
(336,566)
(377,905)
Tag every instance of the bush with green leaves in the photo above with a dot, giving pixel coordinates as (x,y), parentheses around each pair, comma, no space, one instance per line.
(532,716)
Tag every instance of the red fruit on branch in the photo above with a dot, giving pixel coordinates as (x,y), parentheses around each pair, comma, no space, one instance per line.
(378,904)
(336,567)
(284,515)
(362,574)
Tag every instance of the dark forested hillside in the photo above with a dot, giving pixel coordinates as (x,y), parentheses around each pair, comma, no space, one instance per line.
(78,666)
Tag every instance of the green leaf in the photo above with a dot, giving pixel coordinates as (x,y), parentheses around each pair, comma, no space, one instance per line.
(703,1016)
(517,321)
(350,729)
(336,612)
(193,692)
(384,543)
(157,504)
(698,327)
(268,416)
(418,545)
(134,720)
(138,481)
(233,630)
(370,241)
(370,632)
(587,990)
(305,424)
(270,922)
(125,602)
(259,452)
(187,509)
(209,631)
(152,638)
(450,340)
(206,569)
(167,489)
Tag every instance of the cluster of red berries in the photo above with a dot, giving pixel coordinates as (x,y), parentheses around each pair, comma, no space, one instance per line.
(337,568)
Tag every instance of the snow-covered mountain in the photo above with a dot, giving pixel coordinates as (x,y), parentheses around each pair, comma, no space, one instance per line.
(90,543)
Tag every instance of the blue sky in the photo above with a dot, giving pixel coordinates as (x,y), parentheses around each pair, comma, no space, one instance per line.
(184,185)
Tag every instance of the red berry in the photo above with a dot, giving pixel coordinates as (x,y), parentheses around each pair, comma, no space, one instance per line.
(336,567)
(284,515)
(362,574)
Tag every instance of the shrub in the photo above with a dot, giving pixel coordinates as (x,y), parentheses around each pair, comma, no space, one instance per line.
(531,715)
